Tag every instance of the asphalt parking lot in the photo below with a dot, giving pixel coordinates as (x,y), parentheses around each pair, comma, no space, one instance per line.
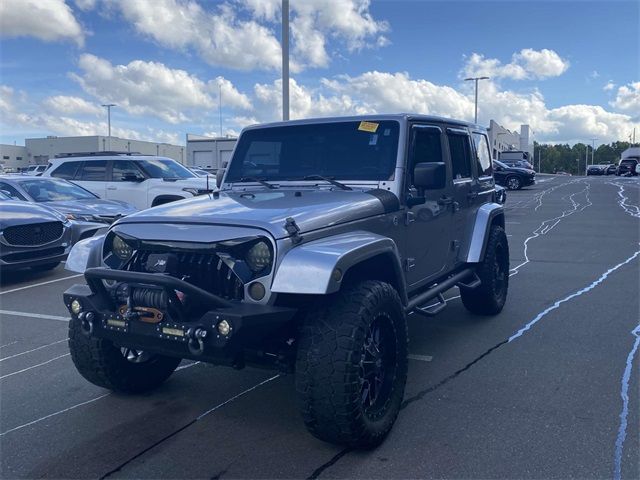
(547,389)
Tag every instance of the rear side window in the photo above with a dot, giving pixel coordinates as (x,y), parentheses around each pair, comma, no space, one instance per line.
(67,170)
(483,157)
(460,150)
(94,171)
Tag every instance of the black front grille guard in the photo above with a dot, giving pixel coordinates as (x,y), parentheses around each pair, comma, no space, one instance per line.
(169,284)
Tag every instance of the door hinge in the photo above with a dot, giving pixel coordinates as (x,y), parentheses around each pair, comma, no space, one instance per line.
(409,263)
(409,218)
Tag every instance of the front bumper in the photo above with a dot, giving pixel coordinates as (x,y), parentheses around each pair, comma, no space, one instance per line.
(167,334)
(17,257)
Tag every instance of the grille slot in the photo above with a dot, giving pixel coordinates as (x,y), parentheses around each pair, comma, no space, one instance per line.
(31,255)
(33,234)
(204,270)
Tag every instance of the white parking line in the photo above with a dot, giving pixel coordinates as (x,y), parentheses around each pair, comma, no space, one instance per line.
(422,358)
(41,283)
(7,344)
(32,350)
(34,315)
(34,366)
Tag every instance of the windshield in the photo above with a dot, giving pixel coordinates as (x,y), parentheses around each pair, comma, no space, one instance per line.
(500,164)
(4,197)
(341,150)
(165,168)
(55,191)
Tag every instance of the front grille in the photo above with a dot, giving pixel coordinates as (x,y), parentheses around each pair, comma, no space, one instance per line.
(34,254)
(33,234)
(204,270)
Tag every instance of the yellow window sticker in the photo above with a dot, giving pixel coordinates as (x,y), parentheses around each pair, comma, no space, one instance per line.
(368,127)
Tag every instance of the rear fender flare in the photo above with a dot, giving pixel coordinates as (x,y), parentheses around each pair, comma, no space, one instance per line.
(308,268)
(487,215)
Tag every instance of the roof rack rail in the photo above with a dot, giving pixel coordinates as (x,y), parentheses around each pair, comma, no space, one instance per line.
(96,154)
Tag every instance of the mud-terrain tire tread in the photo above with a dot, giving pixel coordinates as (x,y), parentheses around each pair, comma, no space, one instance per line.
(102,363)
(484,300)
(327,375)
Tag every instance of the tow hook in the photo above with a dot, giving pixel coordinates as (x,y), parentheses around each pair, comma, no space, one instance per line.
(196,340)
(86,322)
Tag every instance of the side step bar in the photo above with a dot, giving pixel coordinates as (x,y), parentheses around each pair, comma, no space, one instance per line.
(437,291)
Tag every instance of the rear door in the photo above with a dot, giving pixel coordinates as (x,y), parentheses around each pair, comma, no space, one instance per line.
(128,191)
(92,175)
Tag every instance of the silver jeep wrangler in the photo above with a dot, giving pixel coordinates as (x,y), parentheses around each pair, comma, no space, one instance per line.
(324,236)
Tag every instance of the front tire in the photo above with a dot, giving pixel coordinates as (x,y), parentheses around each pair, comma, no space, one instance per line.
(489,298)
(119,369)
(351,367)
(514,183)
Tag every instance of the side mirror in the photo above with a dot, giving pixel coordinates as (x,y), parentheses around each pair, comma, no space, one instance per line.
(432,175)
(219,176)
(132,177)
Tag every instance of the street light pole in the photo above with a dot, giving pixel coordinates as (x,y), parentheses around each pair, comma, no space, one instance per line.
(285,60)
(220,105)
(108,107)
(475,79)
(593,150)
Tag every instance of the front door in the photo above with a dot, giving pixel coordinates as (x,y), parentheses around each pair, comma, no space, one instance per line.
(428,222)
(120,187)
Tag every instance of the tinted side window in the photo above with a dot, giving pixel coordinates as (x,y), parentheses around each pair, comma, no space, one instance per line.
(482,154)
(460,155)
(122,168)
(94,171)
(11,191)
(67,170)
(426,147)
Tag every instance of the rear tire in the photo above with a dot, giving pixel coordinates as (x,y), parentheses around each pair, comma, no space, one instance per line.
(489,298)
(351,367)
(122,370)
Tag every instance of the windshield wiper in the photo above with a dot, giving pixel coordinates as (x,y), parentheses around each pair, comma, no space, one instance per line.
(328,179)
(257,180)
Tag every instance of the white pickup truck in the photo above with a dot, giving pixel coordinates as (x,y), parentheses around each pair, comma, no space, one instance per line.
(141,180)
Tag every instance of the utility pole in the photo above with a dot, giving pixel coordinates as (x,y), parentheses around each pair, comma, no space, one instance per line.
(285,60)
(220,104)
(586,158)
(108,107)
(593,150)
(539,160)
(475,79)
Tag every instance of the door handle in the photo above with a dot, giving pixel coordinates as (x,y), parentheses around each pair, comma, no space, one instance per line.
(112,188)
(445,200)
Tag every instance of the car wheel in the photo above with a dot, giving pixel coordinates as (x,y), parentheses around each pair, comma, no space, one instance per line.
(514,183)
(490,296)
(45,267)
(124,370)
(351,367)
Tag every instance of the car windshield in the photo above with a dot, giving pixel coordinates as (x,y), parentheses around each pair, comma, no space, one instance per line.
(55,191)
(500,164)
(165,168)
(4,197)
(338,150)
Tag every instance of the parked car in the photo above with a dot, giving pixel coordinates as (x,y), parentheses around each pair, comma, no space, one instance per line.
(31,236)
(36,170)
(87,212)
(610,169)
(201,172)
(595,170)
(140,180)
(308,259)
(513,178)
(627,166)
(518,164)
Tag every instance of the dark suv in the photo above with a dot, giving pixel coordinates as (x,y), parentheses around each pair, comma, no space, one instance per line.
(627,166)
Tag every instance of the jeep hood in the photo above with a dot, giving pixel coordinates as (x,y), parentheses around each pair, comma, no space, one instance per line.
(268,209)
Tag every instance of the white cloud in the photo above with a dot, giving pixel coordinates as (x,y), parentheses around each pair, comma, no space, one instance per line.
(85,5)
(231,97)
(70,105)
(609,86)
(144,88)
(48,20)
(628,99)
(525,64)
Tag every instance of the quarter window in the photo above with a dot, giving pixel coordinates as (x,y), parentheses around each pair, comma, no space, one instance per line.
(460,150)
(482,155)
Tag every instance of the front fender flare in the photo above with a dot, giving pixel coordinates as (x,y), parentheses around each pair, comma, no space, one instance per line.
(487,215)
(85,254)
(308,268)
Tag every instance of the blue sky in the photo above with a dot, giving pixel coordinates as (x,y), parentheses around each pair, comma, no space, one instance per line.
(570,69)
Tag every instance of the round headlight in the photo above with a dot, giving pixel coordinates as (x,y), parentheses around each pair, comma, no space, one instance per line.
(120,248)
(259,257)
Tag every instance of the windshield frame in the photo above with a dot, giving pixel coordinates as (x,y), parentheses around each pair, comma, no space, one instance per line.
(387,172)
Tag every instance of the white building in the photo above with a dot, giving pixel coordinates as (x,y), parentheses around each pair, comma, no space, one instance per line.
(40,150)
(632,152)
(209,152)
(502,139)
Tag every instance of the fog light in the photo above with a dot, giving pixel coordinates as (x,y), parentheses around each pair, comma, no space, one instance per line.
(76,307)
(224,328)
(256,291)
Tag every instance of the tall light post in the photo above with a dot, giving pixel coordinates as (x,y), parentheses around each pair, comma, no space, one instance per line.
(475,79)
(593,150)
(108,107)
(220,105)
(285,60)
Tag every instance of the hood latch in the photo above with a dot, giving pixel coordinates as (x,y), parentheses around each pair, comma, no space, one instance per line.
(293,230)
